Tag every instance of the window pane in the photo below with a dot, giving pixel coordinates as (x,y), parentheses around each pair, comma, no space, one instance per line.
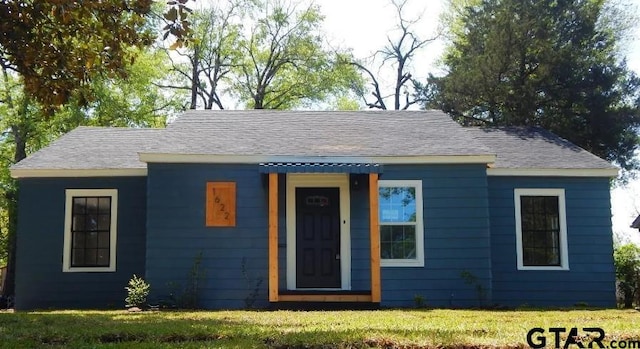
(90,231)
(91,222)
(103,257)
(79,205)
(385,233)
(78,240)
(540,230)
(92,239)
(397,204)
(385,250)
(103,239)
(77,224)
(77,257)
(399,242)
(91,257)
(103,222)
(104,205)
(92,205)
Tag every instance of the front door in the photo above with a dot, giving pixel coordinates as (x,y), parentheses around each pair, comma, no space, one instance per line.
(318,238)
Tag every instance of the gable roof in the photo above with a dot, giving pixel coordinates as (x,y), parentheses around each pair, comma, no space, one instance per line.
(315,136)
(88,150)
(636,223)
(534,148)
(318,134)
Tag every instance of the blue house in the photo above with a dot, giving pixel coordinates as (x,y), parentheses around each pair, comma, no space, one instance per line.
(374,207)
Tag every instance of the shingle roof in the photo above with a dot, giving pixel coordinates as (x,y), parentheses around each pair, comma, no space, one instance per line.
(311,134)
(535,148)
(318,133)
(93,148)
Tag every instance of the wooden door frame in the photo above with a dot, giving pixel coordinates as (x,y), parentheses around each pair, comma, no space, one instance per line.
(328,180)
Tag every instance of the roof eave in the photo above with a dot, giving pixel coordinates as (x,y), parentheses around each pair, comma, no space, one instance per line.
(554,172)
(54,173)
(256,159)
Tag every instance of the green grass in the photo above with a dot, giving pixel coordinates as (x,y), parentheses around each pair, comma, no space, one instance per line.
(286,329)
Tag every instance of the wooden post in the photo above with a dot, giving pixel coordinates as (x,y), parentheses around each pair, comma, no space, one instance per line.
(273,237)
(374,238)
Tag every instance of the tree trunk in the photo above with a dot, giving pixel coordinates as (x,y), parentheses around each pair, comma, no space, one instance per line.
(11,197)
(8,288)
(195,81)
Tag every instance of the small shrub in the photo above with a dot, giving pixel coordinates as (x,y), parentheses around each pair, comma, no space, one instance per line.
(627,262)
(419,301)
(253,286)
(470,279)
(137,292)
(186,297)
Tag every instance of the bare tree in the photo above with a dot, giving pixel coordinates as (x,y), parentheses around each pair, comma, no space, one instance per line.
(202,66)
(285,62)
(398,53)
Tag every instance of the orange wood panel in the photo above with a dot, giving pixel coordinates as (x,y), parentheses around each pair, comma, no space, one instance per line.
(221,204)
(273,237)
(375,238)
(325,298)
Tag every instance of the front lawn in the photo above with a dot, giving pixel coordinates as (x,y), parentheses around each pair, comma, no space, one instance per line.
(287,329)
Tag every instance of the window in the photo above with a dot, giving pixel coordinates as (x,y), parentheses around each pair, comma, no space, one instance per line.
(400,217)
(90,230)
(541,229)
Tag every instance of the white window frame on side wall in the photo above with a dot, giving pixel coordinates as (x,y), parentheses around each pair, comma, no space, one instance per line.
(66,257)
(562,213)
(419,224)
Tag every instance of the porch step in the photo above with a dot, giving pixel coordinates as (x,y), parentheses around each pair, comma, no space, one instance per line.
(324,306)
(324,300)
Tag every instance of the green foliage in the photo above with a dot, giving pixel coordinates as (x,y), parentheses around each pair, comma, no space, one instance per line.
(59,47)
(286,64)
(135,101)
(470,279)
(137,292)
(406,328)
(187,297)
(627,263)
(253,285)
(547,63)
(419,301)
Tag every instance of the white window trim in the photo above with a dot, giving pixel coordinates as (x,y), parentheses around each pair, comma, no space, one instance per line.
(419,260)
(329,180)
(66,256)
(564,251)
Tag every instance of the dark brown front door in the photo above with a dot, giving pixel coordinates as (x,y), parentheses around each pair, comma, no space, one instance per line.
(318,238)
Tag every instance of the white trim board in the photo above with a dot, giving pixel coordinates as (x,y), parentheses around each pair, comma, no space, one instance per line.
(42,173)
(66,257)
(302,180)
(419,224)
(254,159)
(559,172)
(564,250)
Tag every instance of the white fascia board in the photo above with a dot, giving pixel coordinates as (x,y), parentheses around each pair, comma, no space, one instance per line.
(255,159)
(554,172)
(41,173)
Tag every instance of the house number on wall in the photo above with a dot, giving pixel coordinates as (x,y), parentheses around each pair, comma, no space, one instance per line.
(221,204)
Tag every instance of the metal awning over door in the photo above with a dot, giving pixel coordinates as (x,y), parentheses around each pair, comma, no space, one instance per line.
(319,167)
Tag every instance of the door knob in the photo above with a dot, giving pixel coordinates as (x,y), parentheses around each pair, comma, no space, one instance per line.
(337,256)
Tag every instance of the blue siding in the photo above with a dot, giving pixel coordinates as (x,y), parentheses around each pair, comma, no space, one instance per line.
(40,282)
(591,276)
(456,224)
(176,234)
(455,197)
(360,242)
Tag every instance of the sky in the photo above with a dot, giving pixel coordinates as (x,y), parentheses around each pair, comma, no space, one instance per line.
(364,25)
